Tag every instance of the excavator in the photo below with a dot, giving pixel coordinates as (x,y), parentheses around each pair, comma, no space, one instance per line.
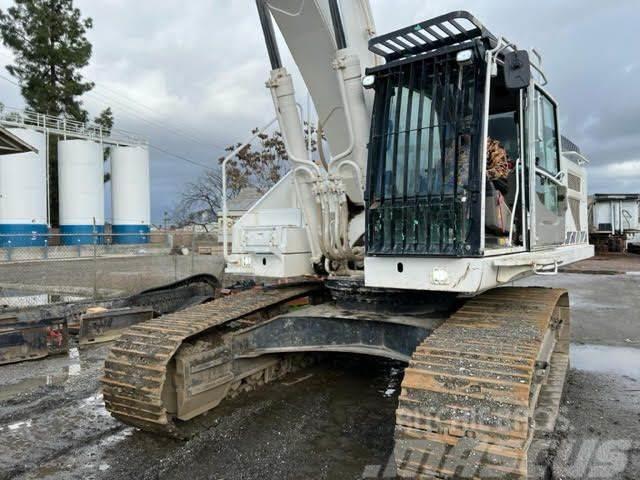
(447,179)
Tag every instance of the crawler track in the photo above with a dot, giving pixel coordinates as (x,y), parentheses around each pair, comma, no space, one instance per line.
(138,367)
(484,387)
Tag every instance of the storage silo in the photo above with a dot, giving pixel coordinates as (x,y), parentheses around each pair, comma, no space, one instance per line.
(130,199)
(23,193)
(80,191)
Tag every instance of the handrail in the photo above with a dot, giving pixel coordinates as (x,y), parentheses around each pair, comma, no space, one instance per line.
(225,254)
(554,179)
(581,158)
(515,203)
(544,269)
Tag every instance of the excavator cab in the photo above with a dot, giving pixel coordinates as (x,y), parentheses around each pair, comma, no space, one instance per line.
(466,180)
(464,155)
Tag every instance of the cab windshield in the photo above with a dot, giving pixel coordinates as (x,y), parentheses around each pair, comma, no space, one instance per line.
(423,159)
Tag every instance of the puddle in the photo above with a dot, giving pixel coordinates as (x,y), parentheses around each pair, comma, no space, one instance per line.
(393,383)
(14,389)
(17,425)
(117,437)
(605,359)
(96,404)
(56,378)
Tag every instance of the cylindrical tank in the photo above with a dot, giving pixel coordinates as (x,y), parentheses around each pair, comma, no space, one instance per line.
(80,191)
(23,193)
(130,200)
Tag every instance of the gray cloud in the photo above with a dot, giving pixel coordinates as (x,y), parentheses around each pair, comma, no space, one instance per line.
(189,75)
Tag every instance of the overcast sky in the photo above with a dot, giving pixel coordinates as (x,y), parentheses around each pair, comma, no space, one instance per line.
(189,75)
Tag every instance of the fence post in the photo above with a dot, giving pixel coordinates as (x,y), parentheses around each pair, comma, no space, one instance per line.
(95,261)
(193,249)
(175,266)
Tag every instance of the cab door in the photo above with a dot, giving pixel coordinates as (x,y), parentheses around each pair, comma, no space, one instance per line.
(547,192)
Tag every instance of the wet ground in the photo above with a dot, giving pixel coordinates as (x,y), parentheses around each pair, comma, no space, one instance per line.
(331,421)
(611,263)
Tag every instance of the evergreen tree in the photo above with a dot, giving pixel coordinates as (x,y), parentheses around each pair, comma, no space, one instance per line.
(50,47)
(105,121)
(48,39)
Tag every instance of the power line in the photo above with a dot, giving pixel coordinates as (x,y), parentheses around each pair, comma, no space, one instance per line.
(104,100)
(127,97)
(132,111)
(150,109)
(155,147)
(10,81)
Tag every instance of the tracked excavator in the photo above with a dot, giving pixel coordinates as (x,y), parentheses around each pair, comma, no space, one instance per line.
(446,180)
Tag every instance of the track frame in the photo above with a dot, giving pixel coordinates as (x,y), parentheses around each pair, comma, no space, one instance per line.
(482,387)
(485,387)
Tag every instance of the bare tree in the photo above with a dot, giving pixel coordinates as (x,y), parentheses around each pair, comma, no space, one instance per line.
(200,201)
(259,165)
(262,164)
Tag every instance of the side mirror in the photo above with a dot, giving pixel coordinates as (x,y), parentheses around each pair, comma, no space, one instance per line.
(517,70)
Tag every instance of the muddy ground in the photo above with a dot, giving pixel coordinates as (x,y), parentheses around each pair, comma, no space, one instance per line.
(331,421)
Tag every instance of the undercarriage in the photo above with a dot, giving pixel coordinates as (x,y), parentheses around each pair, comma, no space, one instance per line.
(484,375)
(35,332)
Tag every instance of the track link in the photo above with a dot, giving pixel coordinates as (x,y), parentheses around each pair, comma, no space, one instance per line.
(138,366)
(474,390)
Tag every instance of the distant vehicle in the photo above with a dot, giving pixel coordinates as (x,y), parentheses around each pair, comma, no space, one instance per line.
(614,221)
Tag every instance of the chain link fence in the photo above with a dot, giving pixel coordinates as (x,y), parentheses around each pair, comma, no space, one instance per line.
(37,269)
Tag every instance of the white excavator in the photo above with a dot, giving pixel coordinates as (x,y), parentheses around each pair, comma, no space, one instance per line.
(446,180)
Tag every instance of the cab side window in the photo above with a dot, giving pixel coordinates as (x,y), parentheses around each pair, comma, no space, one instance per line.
(547,135)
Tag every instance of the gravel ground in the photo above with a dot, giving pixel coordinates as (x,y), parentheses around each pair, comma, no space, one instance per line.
(326,422)
(599,425)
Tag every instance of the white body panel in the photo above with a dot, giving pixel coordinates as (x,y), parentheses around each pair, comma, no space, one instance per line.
(23,182)
(466,275)
(577,216)
(130,196)
(81,182)
(271,240)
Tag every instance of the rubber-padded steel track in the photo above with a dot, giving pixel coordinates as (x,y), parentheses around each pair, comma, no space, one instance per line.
(138,365)
(470,391)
